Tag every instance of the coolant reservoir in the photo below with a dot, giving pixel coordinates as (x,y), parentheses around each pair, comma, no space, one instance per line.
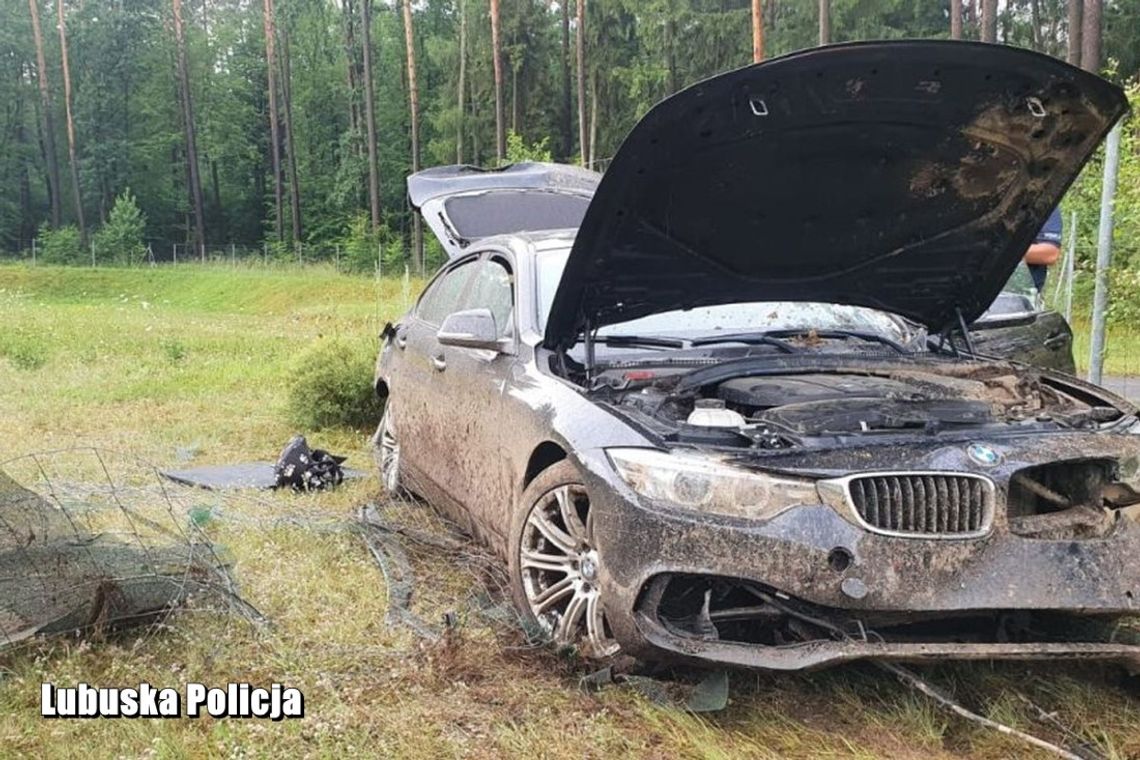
(711,412)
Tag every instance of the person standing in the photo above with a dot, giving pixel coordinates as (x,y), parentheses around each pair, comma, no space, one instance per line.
(1045,251)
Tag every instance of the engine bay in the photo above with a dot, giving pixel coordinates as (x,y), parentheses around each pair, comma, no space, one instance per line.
(791,407)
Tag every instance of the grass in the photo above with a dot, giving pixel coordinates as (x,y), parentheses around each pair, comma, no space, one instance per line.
(166,365)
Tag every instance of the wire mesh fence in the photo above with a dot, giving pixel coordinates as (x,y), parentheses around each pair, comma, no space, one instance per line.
(268,255)
(92,543)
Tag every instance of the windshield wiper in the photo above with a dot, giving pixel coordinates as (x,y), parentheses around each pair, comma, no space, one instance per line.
(648,341)
(748,338)
(835,333)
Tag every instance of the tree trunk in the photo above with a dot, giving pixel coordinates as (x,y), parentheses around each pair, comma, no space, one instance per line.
(27,221)
(583,137)
(497,61)
(414,112)
(593,118)
(515,117)
(1090,36)
(1035,23)
(989,20)
(370,114)
(47,123)
(219,216)
(462,88)
(270,24)
(824,22)
(757,31)
(71,151)
(566,117)
(193,177)
(290,144)
(1074,56)
(671,52)
(955,19)
(348,18)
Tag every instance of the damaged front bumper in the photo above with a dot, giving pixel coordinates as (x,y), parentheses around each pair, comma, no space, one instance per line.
(812,587)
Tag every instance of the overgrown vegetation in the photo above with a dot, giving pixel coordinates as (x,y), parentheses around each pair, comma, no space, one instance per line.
(1084,199)
(330,385)
(122,237)
(193,363)
(61,246)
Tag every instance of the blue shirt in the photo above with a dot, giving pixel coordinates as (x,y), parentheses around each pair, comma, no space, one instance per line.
(1050,233)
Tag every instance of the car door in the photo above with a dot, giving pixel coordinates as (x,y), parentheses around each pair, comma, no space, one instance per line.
(467,418)
(415,393)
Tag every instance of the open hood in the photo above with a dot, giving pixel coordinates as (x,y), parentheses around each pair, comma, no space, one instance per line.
(462,204)
(905,176)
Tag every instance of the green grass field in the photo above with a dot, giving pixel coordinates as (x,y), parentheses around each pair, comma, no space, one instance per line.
(156,363)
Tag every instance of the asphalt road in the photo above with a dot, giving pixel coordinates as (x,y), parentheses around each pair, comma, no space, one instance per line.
(1129,387)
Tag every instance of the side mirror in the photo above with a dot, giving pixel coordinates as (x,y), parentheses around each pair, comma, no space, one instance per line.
(473,328)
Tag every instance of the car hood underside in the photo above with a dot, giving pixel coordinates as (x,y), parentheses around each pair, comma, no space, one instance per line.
(905,176)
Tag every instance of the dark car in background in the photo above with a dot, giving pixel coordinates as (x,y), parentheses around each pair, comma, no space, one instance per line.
(725,404)
(1018,326)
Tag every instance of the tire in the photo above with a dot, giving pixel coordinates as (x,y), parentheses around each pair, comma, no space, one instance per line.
(386,447)
(555,586)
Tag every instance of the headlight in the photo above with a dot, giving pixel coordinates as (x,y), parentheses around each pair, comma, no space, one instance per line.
(703,484)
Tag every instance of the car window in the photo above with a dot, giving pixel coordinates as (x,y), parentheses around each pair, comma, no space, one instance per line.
(445,293)
(491,289)
(705,321)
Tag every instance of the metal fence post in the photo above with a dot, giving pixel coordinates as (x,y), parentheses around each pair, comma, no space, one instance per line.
(1070,267)
(92,254)
(336,253)
(233,255)
(33,251)
(1104,254)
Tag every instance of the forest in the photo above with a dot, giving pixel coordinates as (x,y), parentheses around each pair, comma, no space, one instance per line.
(281,125)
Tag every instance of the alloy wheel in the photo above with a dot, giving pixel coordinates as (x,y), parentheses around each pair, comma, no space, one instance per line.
(388,454)
(559,564)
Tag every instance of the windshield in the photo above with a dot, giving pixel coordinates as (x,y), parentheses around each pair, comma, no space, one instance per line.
(1018,297)
(756,316)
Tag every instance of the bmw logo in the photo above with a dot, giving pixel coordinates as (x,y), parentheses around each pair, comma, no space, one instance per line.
(982,454)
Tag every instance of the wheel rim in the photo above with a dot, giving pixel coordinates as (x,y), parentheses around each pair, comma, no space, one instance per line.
(389,455)
(559,564)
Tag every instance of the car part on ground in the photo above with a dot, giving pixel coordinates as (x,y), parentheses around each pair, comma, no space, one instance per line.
(304,469)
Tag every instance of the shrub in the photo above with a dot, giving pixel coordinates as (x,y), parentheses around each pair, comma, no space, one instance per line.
(361,245)
(62,246)
(518,150)
(121,239)
(330,385)
(25,350)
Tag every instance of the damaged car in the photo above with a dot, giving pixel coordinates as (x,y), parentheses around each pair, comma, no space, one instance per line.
(723,403)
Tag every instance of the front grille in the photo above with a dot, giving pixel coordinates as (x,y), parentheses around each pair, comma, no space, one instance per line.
(923,504)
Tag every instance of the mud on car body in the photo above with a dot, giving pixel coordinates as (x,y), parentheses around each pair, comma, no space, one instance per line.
(724,403)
